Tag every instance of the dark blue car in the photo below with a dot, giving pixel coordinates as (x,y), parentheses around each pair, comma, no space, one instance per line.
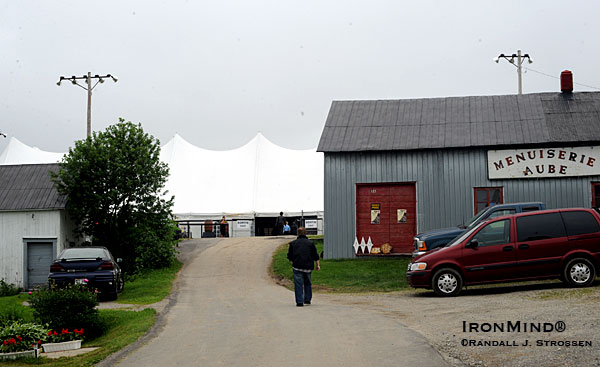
(438,238)
(91,266)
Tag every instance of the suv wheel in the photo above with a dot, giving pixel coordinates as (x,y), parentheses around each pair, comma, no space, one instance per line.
(447,282)
(579,272)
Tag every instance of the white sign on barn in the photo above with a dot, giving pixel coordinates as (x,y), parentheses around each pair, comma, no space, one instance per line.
(543,162)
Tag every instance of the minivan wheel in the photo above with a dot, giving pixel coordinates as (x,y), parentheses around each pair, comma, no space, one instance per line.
(447,282)
(579,272)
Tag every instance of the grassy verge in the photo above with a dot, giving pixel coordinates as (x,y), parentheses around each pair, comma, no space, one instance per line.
(150,287)
(351,275)
(123,328)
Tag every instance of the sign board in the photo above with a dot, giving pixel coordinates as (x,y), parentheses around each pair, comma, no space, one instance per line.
(242,224)
(375,213)
(310,223)
(401,215)
(544,162)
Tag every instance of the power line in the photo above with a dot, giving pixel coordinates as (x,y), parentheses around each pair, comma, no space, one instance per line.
(555,77)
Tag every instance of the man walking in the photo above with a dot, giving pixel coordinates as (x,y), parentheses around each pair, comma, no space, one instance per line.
(302,252)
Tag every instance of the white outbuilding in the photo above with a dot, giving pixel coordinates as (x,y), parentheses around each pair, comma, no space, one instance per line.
(34,224)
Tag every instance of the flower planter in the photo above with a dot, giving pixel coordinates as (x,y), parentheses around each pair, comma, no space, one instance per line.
(59,347)
(14,355)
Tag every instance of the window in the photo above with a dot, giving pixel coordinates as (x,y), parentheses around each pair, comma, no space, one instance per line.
(500,213)
(580,223)
(487,196)
(595,194)
(530,208)
(540,227)
(496,233)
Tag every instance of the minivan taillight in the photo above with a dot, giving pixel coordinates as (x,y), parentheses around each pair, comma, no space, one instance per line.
(56,268)
(107,265)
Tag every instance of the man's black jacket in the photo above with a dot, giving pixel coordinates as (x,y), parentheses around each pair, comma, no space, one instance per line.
(303,253)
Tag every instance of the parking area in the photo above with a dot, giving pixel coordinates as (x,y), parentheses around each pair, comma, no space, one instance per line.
(498,325)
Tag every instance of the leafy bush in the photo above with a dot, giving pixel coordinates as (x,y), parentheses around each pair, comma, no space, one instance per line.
(8,289)
(21,336)
(70,308)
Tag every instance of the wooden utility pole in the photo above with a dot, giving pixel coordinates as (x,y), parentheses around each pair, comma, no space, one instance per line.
(88,80)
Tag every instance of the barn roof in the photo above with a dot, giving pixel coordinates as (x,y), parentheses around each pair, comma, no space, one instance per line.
(28,187)
(458,122)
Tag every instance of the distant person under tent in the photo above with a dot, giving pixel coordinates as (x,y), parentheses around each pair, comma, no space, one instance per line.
(279,222)
(224,227)
(286,228)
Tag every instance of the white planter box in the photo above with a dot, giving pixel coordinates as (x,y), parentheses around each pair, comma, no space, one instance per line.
(15,355)
(59,347)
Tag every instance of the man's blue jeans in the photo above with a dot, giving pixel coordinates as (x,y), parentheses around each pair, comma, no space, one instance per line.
(302,287)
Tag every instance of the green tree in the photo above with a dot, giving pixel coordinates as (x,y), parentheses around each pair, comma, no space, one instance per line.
(113,182)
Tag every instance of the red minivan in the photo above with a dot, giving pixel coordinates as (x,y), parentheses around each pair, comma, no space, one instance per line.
(544,244)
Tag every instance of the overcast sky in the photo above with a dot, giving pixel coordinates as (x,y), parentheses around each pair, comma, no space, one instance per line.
(218,72)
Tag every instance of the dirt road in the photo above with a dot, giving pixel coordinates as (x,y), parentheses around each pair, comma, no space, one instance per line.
(228,312)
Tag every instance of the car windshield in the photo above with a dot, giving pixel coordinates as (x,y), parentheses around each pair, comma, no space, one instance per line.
(83,253)
(474,220)
(464,235)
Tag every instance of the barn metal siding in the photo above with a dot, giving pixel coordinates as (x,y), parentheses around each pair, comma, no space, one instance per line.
(444,180)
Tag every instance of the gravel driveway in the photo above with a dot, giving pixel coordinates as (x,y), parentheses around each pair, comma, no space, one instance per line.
(227,311)
(546,304)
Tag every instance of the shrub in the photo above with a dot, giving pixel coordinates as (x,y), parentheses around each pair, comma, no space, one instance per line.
(12,313)
(8,289)
(21,336)
(67,308)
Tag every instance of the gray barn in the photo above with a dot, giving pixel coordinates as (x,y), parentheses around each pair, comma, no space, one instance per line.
(395,168)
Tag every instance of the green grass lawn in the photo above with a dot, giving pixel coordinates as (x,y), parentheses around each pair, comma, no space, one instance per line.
(352,275)
(150,287)
(123,327)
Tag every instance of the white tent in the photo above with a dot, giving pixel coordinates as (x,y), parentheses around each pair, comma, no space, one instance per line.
(19,153)
(259,177)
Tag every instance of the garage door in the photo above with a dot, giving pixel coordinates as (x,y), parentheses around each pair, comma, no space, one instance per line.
(39,258)
(387,214)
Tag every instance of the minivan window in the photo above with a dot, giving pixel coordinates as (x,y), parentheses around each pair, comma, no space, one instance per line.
(580,222)
(503,212)
(465,234)
(495,233)
(540,227)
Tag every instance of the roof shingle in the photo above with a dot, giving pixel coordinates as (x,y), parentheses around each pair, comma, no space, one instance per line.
(28,187)
(458,122)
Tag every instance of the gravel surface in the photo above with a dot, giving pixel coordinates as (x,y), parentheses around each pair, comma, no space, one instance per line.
(440,320)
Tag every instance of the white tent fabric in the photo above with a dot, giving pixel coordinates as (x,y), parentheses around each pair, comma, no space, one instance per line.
(18,153)
(259,177)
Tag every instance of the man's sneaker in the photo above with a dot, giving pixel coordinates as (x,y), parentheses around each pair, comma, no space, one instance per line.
(299,305)
(307,302)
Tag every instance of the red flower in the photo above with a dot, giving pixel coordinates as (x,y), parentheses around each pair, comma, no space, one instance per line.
(19,337)
(39,342)
(49,332)
(79,332)
(65,331)
(55,333)
(5,342)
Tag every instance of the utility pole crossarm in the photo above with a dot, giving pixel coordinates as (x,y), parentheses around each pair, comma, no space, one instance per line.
(519,63)
(88,81)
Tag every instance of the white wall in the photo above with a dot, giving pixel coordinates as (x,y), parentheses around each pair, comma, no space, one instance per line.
(15,227)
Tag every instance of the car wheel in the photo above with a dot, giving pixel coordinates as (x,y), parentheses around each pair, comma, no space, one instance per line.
(579,272)
(447,282)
